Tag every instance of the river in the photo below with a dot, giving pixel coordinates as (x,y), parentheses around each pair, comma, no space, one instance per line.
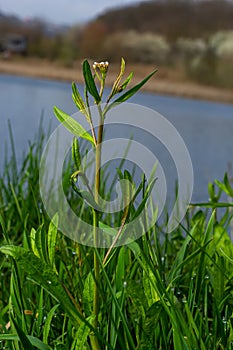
(206,127)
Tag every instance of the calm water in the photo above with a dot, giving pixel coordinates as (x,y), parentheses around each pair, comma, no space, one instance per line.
(207,128)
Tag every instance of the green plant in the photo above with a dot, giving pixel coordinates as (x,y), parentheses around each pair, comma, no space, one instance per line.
(162,291)
(100,72)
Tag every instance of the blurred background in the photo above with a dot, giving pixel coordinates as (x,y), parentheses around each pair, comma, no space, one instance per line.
(187,39)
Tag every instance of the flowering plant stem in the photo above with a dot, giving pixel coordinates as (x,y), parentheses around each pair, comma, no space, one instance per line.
(91,89)
(96,225)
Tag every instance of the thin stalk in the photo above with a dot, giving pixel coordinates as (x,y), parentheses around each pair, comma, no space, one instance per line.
(93,338)
(89,117)
(95,342)
(117,236)
(102,84)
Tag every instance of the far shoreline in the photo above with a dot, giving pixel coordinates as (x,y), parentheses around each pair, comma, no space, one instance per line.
(43,69)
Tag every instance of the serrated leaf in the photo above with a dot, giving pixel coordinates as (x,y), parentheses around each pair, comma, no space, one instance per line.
(72,125)
(130,92)
(89,81)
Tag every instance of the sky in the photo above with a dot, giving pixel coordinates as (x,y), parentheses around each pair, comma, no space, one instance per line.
(60,11)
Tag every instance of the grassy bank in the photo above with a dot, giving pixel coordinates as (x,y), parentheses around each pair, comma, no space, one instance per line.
(163,291)
(168,81)
(159,290)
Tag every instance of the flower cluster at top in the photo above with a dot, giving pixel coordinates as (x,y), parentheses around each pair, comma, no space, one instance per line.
(103,66)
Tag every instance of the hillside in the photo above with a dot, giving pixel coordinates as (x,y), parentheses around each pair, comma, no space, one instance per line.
(187,40)
(172,18)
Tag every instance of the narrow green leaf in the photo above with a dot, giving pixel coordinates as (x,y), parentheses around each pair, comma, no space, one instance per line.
(218,280)
(112,232)
(211,191)
(70,124)
(78,99)
(125,82)
(34,341)
(82,334)
(152,317)
(33,242)
(130,92)
(115,88)
(115,301)
(209,229)
(213,205)
(120,269)
(16,201)
(201,268)
(87,196)
(79,102)
(176,339)
(143,202)
(88,292)
(40,312)
(89,81)
(52,238)
(150,292)
(136,292)
(47,325)
(76,153)
(42,274)
(180,257)
(135,248)
(228,186)
(38,343)
(22,336)
(41,243)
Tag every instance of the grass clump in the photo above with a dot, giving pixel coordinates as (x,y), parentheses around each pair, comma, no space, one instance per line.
(162,291)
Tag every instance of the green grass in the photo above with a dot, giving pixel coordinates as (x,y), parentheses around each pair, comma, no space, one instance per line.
(161,292)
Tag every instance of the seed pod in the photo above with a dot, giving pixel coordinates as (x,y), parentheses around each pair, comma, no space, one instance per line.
(76,154)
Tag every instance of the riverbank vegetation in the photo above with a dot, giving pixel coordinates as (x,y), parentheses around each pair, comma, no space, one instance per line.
(164,291)
(161,291)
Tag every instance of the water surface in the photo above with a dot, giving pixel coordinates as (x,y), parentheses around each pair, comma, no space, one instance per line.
(206,127)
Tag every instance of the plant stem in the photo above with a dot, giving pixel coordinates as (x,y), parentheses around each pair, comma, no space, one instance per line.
(93,338)
(95,342)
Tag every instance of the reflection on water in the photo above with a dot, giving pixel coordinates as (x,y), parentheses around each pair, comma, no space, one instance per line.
(206,127)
